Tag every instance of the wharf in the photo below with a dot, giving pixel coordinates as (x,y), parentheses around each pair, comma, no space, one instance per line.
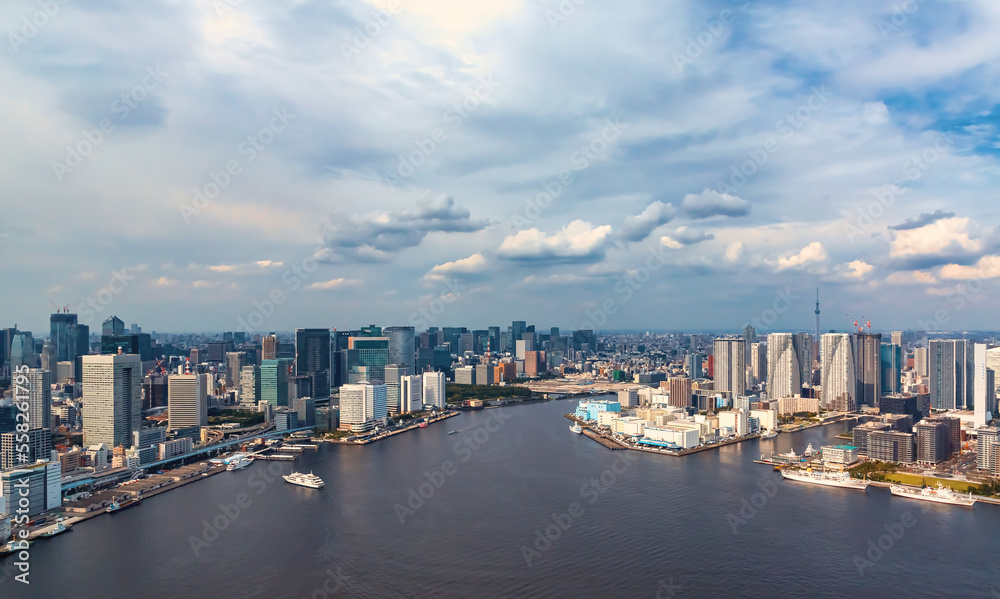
(281,457)
(366,441)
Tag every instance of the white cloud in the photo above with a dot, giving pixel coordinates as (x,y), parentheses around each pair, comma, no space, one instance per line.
(812,253)
(911,277)
(671,243)
(711,203)
(335,284)
(734,251)
(935,238)
(988,267)
(858,269)
(240,269)
(579,241)
(163,282)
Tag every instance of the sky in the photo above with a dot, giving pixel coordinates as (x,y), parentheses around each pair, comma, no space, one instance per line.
(665,165)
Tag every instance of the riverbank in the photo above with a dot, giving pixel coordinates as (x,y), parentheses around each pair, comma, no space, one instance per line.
(612,443)
(429,420)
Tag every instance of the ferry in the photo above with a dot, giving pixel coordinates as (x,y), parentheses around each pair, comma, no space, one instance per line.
(769,434)
(14,547)
(304,480)
(58,530)
(240,462)
(122,505)
(829,479)
(941,494)
(576,428)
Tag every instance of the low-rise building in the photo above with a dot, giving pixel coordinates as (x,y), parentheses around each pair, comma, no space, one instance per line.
(176,447)
(589,410)
(684,438)
(43,482)
(767,418)
(840,454)
(795,404)
(631,426)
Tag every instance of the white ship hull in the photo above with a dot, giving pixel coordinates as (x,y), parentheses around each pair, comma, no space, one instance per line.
(949,499)
(850,483)
(312,482)
(576,429)
(239,464)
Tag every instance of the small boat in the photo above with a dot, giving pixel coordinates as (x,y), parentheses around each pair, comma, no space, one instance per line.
(769,434)
(126,503)
(304,480)
(239,463)
(423,425)
(453,432)
(809,450)
(576,429)
(14,547)
(58,530)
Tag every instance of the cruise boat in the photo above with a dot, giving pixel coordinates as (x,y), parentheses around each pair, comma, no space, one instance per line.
(576,429)
(58,530)
(809,452)
(829,479)
(304,480)
(940,494)
(769,434)
(240,462)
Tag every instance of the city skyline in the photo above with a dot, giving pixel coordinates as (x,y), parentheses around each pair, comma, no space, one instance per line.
(415,169)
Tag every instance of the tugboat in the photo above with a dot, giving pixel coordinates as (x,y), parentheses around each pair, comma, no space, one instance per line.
(58,530)
(126,503)
(769,434)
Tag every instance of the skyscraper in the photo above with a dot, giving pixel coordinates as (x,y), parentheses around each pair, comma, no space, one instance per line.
(312,359)
(362,406)
(758,364)
(39,398)
(982,403)
(112,399)
(274,377)
(402,346)
(694,365)
(749,337)
(920,361)
(433,391)
(891,367)
(950,368)
(393,375)
(269,347)
(517,330)
(113,327)
(867,368)
(250,385)
(59,324)
(837,372)
(22,351)
(411,394)
(187,396)
(79,342)
(730,366)
(372,354)
(804,353)
(783,369)
(235,360)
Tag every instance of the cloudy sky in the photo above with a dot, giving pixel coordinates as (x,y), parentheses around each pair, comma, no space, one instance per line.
(216,164)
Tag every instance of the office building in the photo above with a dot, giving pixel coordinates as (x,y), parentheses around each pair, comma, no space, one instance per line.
(250,385)
(933,444)
(393,375)
(188,401)
(466,375)
(921,361)
(837,372)
(433,391)
(783,369)
(986,438)
(402,346)
(890,446)
(112,399)
(983,392)
(59,324)
(39,398)
(730,366)
(534,363)
(891,366)
(362,406)
(269,347)
(628,398)
(22,351)
(862,433)
(867,368)
(679,391)
(40,483)
(484,374)
(757,365)
(312,359)
(515,334)
(113,326)
(176,447)
(305,407)
(411,394)
(286,420)
(274,381)
(235,361)
(37,441)
(951,373)
(693,363)
(370,353)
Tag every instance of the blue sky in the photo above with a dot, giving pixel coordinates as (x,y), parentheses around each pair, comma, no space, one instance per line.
(663,165)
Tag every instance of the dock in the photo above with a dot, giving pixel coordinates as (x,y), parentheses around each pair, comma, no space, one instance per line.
(284,457)
(609,443)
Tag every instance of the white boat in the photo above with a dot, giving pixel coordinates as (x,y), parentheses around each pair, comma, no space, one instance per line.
(809,450)
(576,429)
(829,479)
(769,434)
(304,480)
(240,462)
(940,494)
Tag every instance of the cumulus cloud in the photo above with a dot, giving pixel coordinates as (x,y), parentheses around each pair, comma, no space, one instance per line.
(810,254)
(734,251)
(378,237)
(925,218)
(474,264)
(988,267)
(554,279)
(639,227)
(858,269)
(911,278)
(579,241)
(241,268)
(335,284)
(711,203)
(939,239)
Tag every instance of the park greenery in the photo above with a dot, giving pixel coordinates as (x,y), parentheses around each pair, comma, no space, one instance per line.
(458,393)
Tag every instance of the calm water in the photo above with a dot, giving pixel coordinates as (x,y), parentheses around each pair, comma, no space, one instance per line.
(660,521)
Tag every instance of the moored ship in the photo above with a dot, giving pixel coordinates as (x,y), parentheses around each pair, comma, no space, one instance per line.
(576,429)
(829,479)
(240,462)
(58,530)
(769,434)
(304,480)
(940,494)
(124,504)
